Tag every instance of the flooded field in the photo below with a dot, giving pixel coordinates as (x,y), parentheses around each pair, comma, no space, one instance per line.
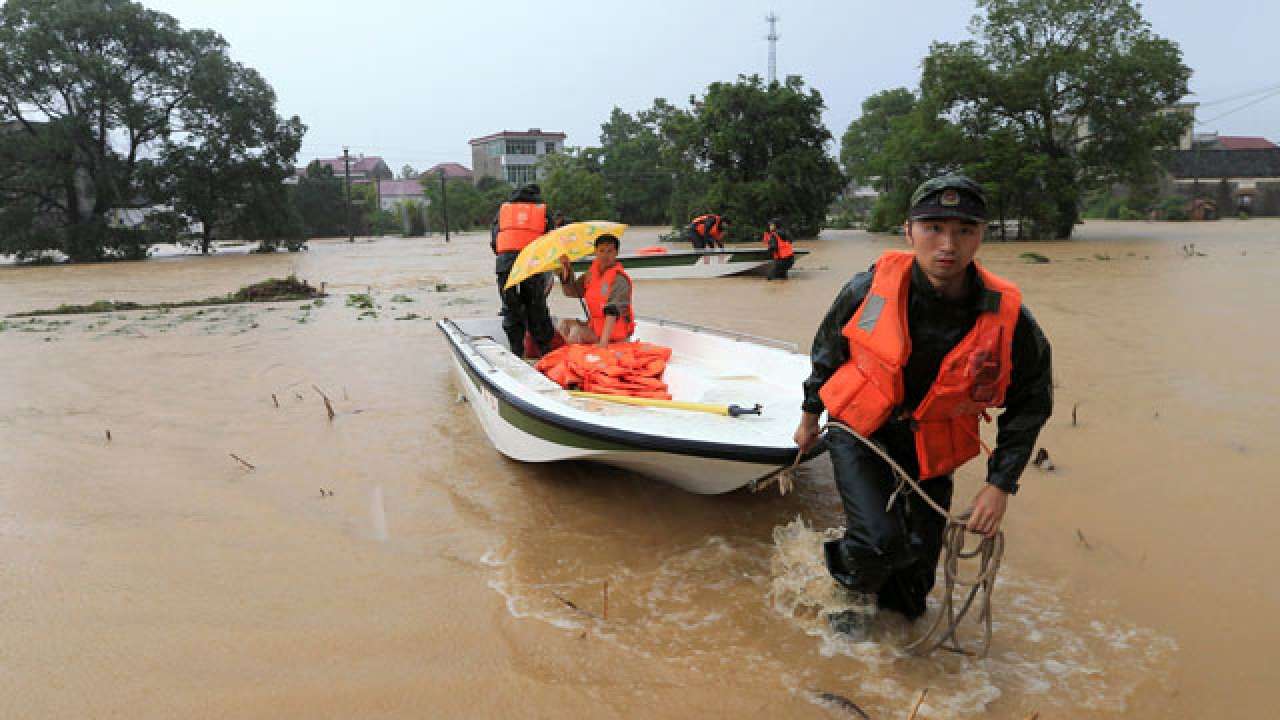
(183,531)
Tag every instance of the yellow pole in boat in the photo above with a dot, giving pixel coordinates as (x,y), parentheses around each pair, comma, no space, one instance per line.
(729,410)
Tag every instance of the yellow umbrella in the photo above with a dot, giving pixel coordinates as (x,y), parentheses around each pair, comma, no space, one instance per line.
(577,240)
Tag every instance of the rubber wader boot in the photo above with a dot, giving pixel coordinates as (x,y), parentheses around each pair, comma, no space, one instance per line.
(854,619)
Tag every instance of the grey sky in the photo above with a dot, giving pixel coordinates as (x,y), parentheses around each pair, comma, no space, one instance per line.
(413,81)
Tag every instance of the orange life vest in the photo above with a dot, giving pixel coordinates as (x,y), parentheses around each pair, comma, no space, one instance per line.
(868,388)
(712,229)
(633,368)
(784,250)
(597,296)
(520,224)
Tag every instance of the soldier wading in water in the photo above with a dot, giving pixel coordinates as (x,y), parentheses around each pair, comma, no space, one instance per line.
(910,355)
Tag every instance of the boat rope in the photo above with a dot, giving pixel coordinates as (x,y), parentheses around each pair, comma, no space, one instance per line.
(989,553)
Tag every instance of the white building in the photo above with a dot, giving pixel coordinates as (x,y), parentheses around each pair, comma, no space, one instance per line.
(513,155)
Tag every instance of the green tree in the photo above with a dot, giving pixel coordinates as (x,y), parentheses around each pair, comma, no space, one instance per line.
(232,153)
(898,142)
(321,201)
(1079,89)
(637,181)
(572,185)
(471,207)
(89,85)
(863,144)
(752,150)
(415,217)
(271,216)
(367,215)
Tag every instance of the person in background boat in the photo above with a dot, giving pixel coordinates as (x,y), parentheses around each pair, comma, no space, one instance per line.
(780,248)
(519,222)
(909,355)
(558,220)
(606,287)
(707,231)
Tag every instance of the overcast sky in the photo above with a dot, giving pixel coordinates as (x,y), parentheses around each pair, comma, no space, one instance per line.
(412,81)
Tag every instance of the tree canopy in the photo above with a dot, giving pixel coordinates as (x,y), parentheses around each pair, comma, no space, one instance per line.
(573,185)
(753,151)
(106,104)
(637,181)
(470,206)
(1049,100)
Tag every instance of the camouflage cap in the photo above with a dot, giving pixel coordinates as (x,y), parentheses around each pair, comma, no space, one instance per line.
(949,196)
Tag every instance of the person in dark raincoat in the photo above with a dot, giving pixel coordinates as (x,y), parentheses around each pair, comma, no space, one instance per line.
(940,305)
(520,221)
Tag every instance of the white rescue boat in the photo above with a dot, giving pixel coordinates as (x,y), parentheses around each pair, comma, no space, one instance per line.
(530,418)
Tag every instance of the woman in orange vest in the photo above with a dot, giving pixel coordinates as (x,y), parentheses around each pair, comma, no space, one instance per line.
(524,307)
(910,355)
(784,255)
(606,287)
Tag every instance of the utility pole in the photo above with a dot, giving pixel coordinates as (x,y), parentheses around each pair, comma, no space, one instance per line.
(772,37)
(346,163)
(444,204)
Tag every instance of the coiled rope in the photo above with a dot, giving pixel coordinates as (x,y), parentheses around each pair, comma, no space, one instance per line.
(989,552)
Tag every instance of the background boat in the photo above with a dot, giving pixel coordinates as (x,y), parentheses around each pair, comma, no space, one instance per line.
(681,264)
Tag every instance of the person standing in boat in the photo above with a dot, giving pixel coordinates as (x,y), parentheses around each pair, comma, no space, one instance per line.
(520,221)
(910,355)
(707,231)
(606,288)
(779,245)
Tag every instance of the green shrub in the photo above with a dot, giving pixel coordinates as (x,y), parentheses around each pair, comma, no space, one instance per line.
(1174,208)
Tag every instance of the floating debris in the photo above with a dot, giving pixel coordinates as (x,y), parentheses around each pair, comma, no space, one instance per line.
(840,702)
(915,709)
(360,300)
(1043,462)
(328,406)
(270,290)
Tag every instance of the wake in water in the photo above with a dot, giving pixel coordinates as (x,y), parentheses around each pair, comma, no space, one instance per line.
(763,605)
(1043,655)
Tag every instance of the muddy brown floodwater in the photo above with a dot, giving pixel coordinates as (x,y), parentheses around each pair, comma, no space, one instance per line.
(153,575)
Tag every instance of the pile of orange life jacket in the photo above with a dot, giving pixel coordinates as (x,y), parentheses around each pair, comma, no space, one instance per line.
(627,368)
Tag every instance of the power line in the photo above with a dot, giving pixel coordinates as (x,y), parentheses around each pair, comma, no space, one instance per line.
(1250,104)
(1240,96)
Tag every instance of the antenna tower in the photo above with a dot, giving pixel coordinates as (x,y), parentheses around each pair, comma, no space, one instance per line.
(772,19)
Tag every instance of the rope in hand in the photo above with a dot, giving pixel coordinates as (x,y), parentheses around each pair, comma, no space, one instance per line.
(989,552)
